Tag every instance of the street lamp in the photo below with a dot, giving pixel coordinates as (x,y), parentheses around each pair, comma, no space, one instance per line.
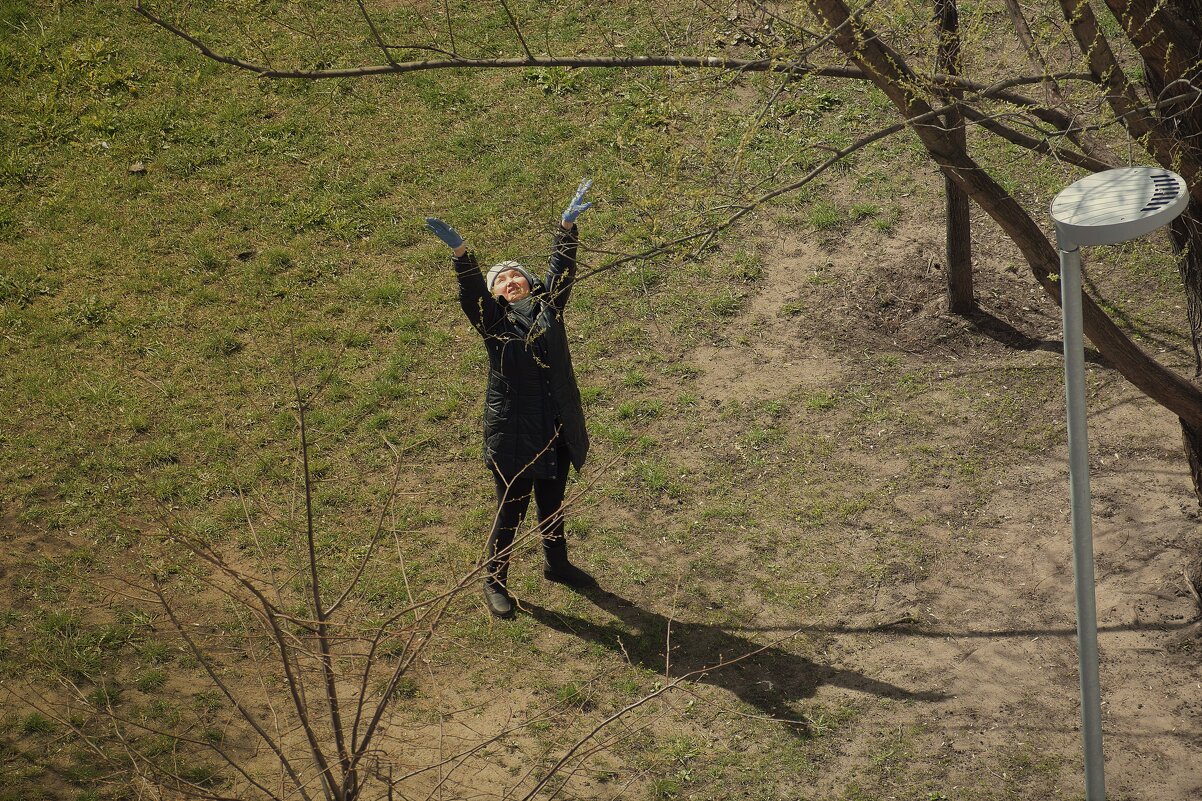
(1102,209)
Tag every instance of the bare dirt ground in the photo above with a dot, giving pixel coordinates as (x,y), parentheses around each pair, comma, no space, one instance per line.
(989,619)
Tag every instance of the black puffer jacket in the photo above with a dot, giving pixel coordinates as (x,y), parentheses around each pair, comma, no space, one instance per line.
(532,388)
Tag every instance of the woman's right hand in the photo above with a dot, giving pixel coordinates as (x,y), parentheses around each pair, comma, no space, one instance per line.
(447,234)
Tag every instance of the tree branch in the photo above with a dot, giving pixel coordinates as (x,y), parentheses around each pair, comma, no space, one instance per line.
(319,611)
(1087,143)
(1123,97)
(379,530)
(246,714)
(453,61)
(375,33)
(708,234)
(517,29)
(990,123)
(892,75)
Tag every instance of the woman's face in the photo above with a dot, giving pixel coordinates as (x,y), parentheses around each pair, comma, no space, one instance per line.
(511,285)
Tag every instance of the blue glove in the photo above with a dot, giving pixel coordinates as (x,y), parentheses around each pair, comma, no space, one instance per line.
(444,232)
(578,205)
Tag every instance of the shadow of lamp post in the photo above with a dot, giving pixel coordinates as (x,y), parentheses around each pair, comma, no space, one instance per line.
(1102,209)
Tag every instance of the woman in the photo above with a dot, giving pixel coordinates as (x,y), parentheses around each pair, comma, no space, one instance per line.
(533,420)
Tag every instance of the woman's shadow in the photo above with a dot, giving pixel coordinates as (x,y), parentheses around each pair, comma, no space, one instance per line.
(770,679)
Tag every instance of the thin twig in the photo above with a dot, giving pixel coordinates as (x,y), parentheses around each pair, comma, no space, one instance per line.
(450,26)
(375,33)
(323,641)
(517,29)
(1192,585)
(246,714)
(379,530)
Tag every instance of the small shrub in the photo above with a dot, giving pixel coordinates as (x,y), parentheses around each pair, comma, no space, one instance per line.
(388,295)
(655,476)
(137,423)
(860,211)
(104,695)
(665,789)
(558,81)
(157,745)
(590,396)
(21,286)
(572,695)
(635,378)
(820,401)
(19,167)
(887,221)
(277,261)
(164,712)
(759,436)
(644,278)
(155,651)
(207,261)
(206,701)
(748,268)
(629,410)
(201,775)
(440,411)
(10,228)
(405,688)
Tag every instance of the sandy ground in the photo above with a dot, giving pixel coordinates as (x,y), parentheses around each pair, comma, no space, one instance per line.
(991,623)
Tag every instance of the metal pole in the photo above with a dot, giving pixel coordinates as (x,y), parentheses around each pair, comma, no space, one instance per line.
(1078,471)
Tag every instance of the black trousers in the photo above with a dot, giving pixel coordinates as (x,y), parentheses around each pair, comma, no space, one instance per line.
(513,499)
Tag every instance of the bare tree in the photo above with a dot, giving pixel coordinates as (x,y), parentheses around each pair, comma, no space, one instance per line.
(309,675)
(1157,118)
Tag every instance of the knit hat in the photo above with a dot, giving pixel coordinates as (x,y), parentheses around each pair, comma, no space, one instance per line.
(497,269)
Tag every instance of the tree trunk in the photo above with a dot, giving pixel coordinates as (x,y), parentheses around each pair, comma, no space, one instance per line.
(1192,440)
(1186,233)
(1077,132)
(960,296)
(1169,38)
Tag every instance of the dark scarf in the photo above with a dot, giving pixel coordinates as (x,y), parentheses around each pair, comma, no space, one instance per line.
(524,314)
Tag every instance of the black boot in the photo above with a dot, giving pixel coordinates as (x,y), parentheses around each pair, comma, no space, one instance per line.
(558,568)
(497,598)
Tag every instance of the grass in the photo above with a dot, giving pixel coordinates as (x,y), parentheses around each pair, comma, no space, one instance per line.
(826,216)
(154,320)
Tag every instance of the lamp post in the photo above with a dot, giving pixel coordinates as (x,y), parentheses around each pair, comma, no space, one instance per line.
(1102,209)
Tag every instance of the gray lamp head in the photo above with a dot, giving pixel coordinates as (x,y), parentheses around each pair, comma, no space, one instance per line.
(1116,205)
